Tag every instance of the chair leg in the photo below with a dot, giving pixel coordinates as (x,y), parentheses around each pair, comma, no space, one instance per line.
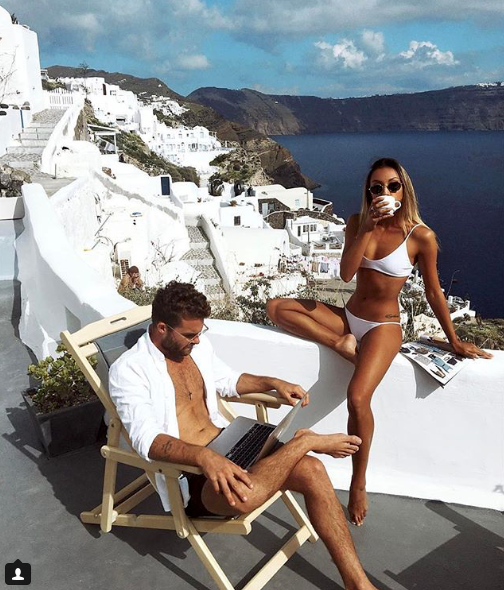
(280,558)
(299,515)
(208,560)
(109,481)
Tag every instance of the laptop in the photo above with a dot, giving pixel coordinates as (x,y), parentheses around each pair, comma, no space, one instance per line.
(245,440)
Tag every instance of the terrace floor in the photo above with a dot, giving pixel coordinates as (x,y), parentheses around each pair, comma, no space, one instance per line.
(405,544)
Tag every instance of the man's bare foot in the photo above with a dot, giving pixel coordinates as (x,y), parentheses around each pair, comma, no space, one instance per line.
(336,445)
(357,504)
(347,348)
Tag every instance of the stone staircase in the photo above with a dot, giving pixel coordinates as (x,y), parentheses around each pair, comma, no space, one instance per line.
(32,141)
(202,260)
(26,155)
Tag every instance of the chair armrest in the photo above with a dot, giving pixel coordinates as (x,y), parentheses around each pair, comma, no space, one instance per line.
(270,399)
(129,458)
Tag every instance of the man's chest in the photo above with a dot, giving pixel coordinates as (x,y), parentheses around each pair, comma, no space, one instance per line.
(187,381)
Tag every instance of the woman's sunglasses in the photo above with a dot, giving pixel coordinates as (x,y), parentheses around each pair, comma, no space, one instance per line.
(393,187)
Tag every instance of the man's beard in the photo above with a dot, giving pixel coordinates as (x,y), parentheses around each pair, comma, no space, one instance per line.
(174,351)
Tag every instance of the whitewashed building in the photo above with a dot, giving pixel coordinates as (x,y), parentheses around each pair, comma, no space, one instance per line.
(183,146)
(20,80)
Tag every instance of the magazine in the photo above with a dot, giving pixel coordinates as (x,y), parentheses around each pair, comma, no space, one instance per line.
(435,356)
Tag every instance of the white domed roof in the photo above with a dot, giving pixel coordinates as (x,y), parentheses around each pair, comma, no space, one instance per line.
(5,18)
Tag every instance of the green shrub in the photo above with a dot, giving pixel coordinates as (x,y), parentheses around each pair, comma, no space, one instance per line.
(62,383)
(483,333)
(143,296)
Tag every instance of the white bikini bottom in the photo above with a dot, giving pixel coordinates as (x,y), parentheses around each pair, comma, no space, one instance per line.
(360,327)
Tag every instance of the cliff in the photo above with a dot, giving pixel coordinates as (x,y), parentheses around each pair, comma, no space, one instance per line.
(462,108)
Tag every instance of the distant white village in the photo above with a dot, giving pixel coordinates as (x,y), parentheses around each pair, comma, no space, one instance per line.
(114,215)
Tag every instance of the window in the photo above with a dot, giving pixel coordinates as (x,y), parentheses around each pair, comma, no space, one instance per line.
(297,203)
(313,227)
(306,228)
(237,220)
(299,230)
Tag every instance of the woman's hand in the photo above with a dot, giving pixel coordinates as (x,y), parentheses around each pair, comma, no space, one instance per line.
(469,350)
(378,211)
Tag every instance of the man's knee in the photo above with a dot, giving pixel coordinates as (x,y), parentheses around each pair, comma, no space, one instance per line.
(254,500)
(309,471)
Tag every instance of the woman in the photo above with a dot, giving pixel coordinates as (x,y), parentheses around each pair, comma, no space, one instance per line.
(131,280)
(382,244)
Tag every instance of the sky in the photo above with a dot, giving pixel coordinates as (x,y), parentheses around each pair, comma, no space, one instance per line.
(327,48)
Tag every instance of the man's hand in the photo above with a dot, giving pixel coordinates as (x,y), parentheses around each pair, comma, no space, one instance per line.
(291,392)
(225,476)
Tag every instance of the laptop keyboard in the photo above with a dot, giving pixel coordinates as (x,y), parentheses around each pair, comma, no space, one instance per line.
(249,446)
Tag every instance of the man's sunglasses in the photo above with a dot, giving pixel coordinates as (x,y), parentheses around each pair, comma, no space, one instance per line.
(190,340)
(378,189)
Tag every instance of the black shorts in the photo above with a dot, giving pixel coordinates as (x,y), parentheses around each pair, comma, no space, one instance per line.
(195,508)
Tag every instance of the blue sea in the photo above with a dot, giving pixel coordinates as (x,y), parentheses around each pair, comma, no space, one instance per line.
(459,181)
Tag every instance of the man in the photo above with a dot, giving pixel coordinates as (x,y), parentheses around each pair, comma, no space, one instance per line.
(131,280)
(165,389)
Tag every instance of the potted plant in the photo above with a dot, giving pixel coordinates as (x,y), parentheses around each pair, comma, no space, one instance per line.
(64,409)
(11,200)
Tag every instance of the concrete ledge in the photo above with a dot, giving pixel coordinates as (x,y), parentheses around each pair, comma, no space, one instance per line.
(59,290)
(11,208)
(430,442)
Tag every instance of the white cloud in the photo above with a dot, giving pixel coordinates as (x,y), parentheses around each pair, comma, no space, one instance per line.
(148,30)
(195,61)
(88,27)
(422,54)
(421,65)
(272,21)
(373,41)
(344,53)
(163,67)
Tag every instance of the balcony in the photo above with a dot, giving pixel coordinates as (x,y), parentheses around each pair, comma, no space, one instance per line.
(436,474)
(405,544)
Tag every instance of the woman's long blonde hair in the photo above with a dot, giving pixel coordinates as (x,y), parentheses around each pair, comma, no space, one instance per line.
(408,214)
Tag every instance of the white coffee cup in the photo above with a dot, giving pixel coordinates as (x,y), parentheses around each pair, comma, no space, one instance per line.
(389,203)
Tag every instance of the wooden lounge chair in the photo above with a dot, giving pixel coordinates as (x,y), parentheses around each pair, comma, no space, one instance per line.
(107,339)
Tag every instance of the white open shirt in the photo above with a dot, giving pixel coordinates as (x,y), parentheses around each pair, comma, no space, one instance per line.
(143,393)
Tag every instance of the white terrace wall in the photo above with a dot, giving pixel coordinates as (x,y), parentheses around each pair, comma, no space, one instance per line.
(224,260)
(430,442)
(64,131)
(11,125)
(165,218)
(58,290)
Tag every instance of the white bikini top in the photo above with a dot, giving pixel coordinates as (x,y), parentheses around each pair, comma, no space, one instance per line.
(395,264)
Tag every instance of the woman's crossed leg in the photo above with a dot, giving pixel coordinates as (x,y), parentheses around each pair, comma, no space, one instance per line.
(313,320)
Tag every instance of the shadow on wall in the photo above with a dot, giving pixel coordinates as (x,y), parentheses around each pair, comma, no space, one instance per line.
(326,394)
(472,559)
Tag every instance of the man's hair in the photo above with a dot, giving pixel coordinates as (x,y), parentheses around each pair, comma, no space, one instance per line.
(178,301)
(133,269)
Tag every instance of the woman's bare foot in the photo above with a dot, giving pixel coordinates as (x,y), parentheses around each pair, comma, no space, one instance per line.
(357,504)
(336,445)
(346,347)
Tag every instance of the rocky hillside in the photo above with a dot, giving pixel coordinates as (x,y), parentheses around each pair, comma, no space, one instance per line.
(463,108)
(276,162)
